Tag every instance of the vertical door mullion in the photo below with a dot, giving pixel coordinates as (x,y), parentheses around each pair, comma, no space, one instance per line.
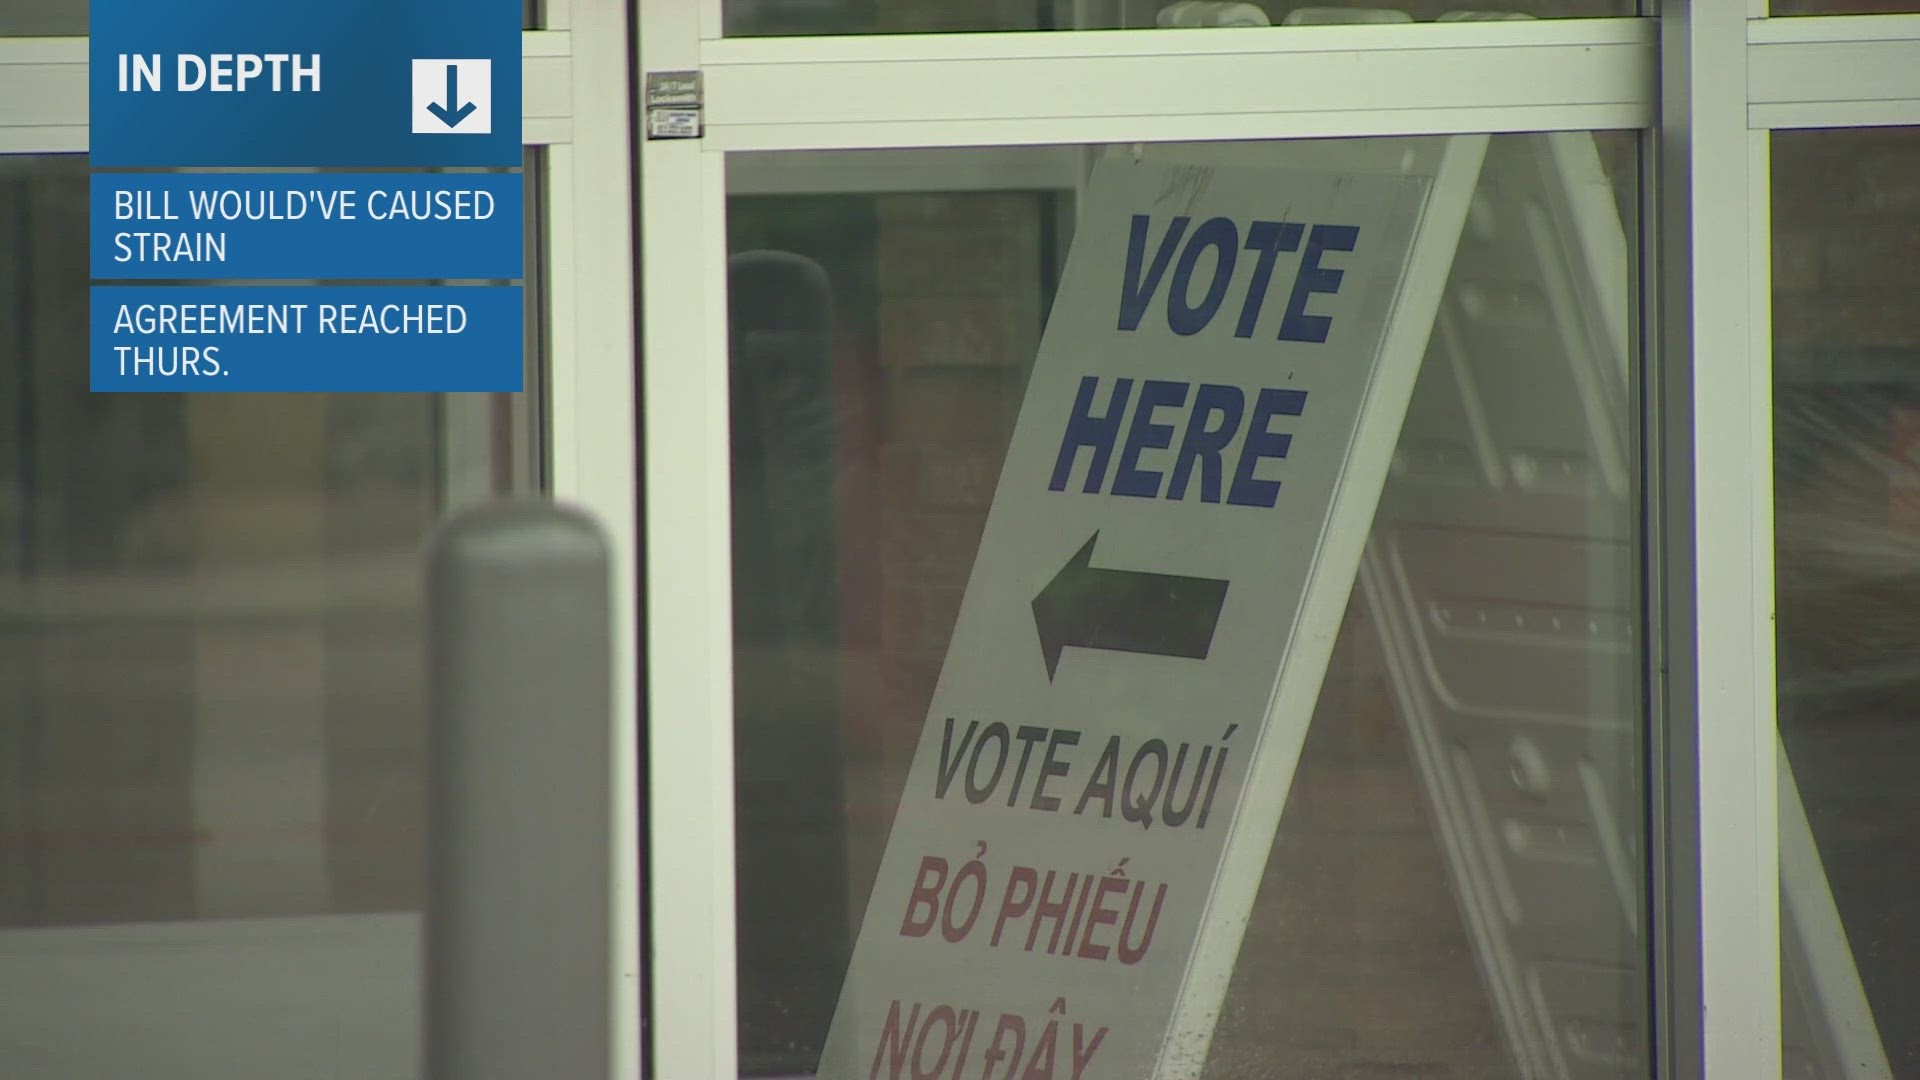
(1762,732)
(590,274)
(687,610)
(1718,845)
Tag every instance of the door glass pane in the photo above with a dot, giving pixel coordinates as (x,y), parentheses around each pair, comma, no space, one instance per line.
(43,18)
(1456,885)
(1846,363)
(212,691)
(756,18)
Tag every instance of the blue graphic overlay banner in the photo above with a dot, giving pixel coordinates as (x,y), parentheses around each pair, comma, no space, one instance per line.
(212,121)
(307,338)
(307,226)
(305,83)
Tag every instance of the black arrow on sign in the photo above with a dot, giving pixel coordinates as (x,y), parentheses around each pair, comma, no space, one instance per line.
(1125,611)
(454,110)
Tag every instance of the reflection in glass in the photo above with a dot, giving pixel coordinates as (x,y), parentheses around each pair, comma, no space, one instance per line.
(1846,212)
(211,687)
(214,688)
(758,18)
(1457,884)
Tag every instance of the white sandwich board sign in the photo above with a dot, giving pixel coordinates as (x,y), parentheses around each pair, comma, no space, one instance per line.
(1192,481)
(1191,476)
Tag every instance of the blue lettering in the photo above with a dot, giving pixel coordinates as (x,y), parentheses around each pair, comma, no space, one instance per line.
(1188,319)
(1086,429)
(1262,443)
(1135,293)
(1203,443)
(1269,238)
(1298,325)
(1141,280)
(1212,423)
(1130,479)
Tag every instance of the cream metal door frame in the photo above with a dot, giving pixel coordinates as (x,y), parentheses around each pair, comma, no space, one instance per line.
(1830,72)
(1724,70)
(951,99)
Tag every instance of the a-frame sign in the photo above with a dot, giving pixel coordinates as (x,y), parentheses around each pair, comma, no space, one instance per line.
(1273,370)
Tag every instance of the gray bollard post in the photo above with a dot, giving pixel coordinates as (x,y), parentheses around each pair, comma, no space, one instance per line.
(518,940)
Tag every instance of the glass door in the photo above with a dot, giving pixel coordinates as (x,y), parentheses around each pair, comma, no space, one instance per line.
(212,814)
(903,271)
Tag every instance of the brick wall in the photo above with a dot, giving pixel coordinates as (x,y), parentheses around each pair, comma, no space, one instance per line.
(959,309)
